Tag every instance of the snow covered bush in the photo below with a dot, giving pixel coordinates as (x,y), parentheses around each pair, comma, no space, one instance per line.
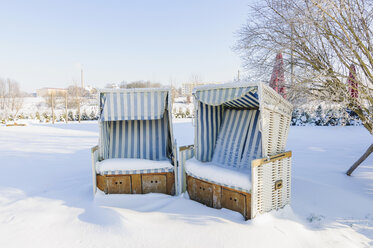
(324,116)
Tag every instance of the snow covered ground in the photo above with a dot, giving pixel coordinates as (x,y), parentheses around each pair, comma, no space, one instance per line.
(46,196)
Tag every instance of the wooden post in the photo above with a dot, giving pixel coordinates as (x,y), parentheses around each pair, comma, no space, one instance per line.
(216,196)
(136,184)
(360,160)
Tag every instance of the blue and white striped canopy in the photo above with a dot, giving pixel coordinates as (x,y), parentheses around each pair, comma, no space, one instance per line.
(133,104)
(234,97)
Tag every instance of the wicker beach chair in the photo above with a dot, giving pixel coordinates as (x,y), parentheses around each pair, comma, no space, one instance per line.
(238,160)
(136,149)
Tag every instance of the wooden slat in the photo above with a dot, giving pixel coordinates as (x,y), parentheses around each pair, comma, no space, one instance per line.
(93,149)
(248,207)
(216,196)
(136,184)
(183,148)
(101,183)
(170,183)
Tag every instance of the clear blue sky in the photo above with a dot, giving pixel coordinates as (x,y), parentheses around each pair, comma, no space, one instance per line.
(44,43)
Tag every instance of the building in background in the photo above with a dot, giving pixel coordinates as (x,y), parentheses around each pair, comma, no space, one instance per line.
(47,91)
(187,88)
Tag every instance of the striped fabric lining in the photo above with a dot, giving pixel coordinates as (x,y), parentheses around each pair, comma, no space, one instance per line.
(136,124)
(143,139)
(221,184)
(130,172)
(104,139)
(207,130)
(253,146)
(240,96)
(132,105)
(234,142)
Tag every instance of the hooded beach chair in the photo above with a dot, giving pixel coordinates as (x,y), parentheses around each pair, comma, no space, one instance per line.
(238,160)
(136,149)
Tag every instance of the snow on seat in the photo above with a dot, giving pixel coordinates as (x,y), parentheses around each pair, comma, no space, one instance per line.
(123,166)
(227,176)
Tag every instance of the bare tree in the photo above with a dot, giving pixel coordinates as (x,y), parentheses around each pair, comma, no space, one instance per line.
(53,98)
(195,78)
(14,97)
(143,84)
(66,109)
(320,40)
(3,92)
(78,95)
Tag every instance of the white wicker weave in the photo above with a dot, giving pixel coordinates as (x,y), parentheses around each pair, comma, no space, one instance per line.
(264,196)
(275,117)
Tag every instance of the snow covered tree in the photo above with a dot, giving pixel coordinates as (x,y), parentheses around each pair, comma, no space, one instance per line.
(84,116)
(187,112)
(93,115)
(319,116)
(71,116)
(320,40)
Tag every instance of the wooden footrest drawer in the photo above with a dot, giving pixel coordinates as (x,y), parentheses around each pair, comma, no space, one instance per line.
(119,185)
(200,191)
(153,184)
(217,196)
(137,183)
(233,200)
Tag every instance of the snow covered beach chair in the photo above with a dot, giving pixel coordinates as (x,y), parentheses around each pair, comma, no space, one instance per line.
(136,149)
(239,154)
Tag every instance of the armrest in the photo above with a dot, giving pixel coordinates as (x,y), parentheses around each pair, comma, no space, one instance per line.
(273,158)
(185,153)
(94,155)
(93,149)
(271,183)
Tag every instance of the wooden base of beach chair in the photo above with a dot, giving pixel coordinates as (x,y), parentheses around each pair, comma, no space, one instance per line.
(137,183)
(216,196)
